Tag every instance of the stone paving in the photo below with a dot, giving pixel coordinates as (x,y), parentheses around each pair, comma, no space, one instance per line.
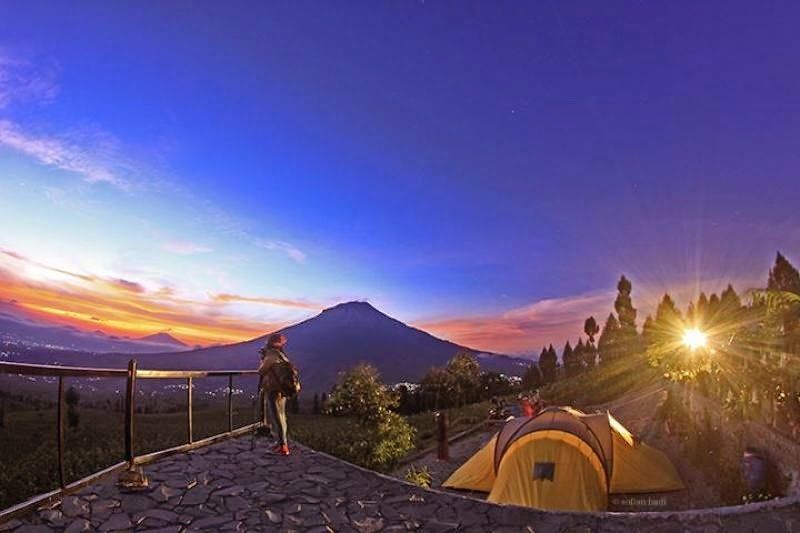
(229,487)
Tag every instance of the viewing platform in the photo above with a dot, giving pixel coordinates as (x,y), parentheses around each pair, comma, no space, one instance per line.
(227,486)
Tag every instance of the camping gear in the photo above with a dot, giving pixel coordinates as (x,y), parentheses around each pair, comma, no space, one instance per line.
(564,459)
(286,377)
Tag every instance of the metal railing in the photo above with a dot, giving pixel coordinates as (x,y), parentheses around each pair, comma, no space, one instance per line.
(131,375)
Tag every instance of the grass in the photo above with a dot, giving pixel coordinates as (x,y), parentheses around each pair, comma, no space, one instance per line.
(28,454)
(602,384)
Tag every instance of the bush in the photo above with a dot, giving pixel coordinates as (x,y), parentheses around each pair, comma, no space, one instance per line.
(372,435)
(420,477)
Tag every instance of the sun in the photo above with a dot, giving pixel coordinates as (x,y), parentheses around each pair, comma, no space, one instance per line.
(694,339)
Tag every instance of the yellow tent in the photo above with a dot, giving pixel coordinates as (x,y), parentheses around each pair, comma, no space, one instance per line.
(565,460)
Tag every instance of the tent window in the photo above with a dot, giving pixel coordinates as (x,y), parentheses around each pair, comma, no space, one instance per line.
(544,471)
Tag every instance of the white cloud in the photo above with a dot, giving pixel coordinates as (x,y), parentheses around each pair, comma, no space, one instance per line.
(285,247)
(185,248)
(61,153)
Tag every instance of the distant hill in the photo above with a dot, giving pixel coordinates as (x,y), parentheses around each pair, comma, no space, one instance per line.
(17,325)
(335,340)
(163,338)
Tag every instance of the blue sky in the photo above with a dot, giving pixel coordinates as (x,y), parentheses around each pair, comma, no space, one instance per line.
(464,166)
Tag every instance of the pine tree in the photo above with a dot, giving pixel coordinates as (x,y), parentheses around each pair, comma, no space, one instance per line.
(577,356)
(532,379)
(591,329)
(783,276)
(548,364)
(628,339)
(648,331)
(608,344)
(568,360)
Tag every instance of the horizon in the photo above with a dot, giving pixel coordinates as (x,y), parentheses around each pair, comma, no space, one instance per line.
(485,175)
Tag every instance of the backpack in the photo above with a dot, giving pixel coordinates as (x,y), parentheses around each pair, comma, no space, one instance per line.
(286,377)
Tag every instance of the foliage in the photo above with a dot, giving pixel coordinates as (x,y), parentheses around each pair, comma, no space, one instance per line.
(591,328)
(532,379)
(419,476)
(573,358)
(360,393)
(465,372)
(379,437)
(609,342)
(548,364)
(628,336)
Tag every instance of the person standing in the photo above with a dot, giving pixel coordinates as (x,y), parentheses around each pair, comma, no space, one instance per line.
(273,357)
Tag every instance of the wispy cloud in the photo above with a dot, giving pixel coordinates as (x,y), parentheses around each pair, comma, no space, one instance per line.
(525,329)
(124,306)
(185,248)
(278,302)
(62,153)
(21,81)
(293,252)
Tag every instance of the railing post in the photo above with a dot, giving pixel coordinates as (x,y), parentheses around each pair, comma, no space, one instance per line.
(230,403)
(133,478)
(130,411)
(60,429)
(442,422)
(189,409)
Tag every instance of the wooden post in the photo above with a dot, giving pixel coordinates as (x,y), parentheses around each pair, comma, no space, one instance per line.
(189,409)
(130,411)
(444,451)
(230,403)
(60,429)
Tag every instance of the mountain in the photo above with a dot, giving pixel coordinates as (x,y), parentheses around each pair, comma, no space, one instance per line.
(335,340)
(18,326)
(163,338)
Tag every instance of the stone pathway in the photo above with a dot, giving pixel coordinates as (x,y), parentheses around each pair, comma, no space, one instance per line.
(228,487)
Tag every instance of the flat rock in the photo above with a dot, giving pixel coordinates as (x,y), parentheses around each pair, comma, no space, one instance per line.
(73,506)
(116,522)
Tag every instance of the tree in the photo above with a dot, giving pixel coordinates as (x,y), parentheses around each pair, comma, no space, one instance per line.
(372,435)
(783,276)
(578,355)
(608,344)
(648,331)
(532,379)
(548,364)
(437,389)
(316,407)
(323,402)
(72,398)
(494,384)
(628,338)
(2,413)
(591,329)
(571,363)
(360,393)
(465,372)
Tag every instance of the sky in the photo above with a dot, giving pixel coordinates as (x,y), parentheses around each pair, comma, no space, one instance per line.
(483,170)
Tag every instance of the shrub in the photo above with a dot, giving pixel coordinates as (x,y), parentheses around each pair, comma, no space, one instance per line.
(420,477)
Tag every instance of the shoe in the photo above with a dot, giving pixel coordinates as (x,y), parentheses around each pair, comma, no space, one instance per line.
(280,449)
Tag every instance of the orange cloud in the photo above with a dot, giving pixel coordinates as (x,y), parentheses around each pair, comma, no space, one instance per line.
(526,329)
(124,307)
(278,302)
